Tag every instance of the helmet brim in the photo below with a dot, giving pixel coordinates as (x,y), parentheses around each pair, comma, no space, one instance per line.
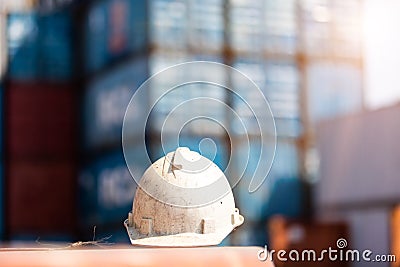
(175,240)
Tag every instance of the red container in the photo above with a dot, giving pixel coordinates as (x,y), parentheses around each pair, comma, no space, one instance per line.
(40,198)
(40,121)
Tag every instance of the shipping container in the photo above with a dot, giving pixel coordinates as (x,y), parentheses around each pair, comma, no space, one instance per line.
(333,90)
(56,58)
(41,120)
(288,127)
(105,102)
(40,198)
(246,161)
(332,28)
(179,106)
(282,88)
(107,189)
(359,158)
(247,99)
(40,45)
(280,27)
(112,30)
(23,46)
(250,233)
(247,166)
(246,29)
(168,24)
(206,25)
(278,81)
(287,198)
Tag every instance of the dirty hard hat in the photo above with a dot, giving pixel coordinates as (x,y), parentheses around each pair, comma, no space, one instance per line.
(183,200)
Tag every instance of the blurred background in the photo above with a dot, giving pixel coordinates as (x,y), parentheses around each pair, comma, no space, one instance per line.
(327,67)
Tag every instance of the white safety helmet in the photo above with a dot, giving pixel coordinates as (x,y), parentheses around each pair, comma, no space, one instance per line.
(183,200)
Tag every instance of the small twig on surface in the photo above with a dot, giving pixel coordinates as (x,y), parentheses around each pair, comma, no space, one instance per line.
(99,243)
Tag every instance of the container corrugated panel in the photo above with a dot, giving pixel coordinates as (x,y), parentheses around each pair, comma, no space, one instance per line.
(40,197)
(282,88)
(105,103)
(333,90)
(41,120)
(138,25)
(113,29)
(288,198)
(40,45)
(179,104)
(106,188)
(278,81)
(247,25)
(254,69)
(280,26)
(95,37)
(56,53)
(206,26)
(169,23)
(246,161)
(23,45)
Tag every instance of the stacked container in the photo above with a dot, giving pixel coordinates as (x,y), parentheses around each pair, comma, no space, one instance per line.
(40,158)
(182,31)
(264,39)
(40,124)
(3,61)
(332,43)
(114,41)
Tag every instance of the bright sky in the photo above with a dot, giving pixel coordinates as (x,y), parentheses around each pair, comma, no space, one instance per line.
(382,52)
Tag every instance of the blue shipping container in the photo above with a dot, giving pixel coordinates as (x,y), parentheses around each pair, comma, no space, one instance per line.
(56,54)
(105,103)
(288,198)
(246,159)
(40,45)
(333,90)
(23,45)
(113,29)
(169,23)
(106,188)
